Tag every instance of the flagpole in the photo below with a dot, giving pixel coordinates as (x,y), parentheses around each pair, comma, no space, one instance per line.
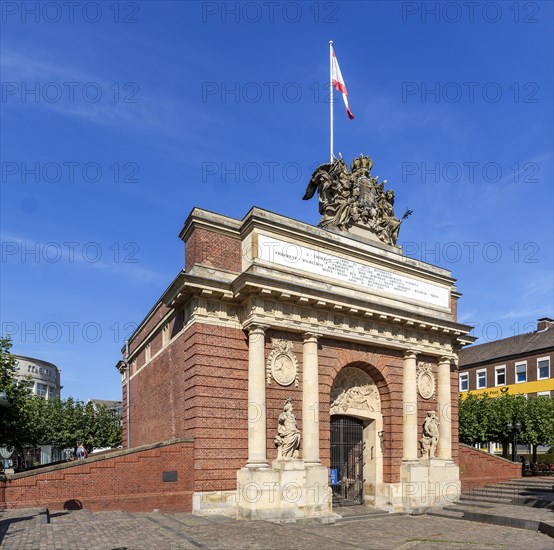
(331,92)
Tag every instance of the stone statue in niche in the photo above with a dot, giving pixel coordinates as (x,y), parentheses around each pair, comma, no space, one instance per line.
(430,435)
(287,439)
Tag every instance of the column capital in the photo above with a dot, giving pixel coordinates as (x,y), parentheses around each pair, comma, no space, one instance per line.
(446,359)
(310,337)
(411,354)
(256,328)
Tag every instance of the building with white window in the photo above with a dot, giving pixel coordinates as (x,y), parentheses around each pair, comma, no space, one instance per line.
(45,377)
(521,364)
(45,380)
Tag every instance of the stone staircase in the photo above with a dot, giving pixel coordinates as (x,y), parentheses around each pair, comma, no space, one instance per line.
(524,503)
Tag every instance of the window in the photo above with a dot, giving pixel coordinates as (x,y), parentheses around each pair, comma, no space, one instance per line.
(543,368)
(464,381)
(481,379)
(521,372)
(543,394)
(51,392)
(42,389)
(500,375)
(147,353)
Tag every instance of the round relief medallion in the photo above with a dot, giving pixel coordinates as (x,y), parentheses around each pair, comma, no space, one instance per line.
(283,369)
(426,383)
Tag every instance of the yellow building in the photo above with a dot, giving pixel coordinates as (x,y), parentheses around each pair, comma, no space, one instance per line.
(521,364)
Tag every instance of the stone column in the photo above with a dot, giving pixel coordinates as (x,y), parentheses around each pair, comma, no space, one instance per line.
(409,407)
(257,436)
(444,410)
(310,400)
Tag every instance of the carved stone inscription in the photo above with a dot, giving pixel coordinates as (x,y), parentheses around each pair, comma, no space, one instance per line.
(315,261)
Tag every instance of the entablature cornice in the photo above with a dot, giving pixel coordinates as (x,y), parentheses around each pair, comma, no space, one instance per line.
(248,294)
(296,294)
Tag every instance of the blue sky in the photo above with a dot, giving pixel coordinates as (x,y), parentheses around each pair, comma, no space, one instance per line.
(118,119)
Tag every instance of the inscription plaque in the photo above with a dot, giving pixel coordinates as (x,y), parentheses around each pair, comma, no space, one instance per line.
(322,263)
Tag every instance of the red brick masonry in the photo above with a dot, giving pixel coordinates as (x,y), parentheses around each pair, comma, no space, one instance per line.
(478,468)
(129,480)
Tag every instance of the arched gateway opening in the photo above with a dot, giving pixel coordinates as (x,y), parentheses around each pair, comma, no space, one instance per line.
(356,426)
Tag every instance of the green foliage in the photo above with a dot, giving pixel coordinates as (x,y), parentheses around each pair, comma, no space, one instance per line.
(32,420)
(545,458)
(539,423)
(16,420)
(483,419)
(472,428)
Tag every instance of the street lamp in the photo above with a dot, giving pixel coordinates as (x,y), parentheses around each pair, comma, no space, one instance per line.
(514,429)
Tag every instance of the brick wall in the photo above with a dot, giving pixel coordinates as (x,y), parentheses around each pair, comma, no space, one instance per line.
(198,387)
(478,468)
(454,415)
(454,307)
(156,316)
(213,249)
(157,394)
(217,405)
(128,480)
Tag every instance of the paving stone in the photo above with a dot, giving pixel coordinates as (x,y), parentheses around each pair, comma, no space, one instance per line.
(24,529)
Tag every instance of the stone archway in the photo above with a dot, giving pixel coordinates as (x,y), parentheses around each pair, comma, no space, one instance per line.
(355,394)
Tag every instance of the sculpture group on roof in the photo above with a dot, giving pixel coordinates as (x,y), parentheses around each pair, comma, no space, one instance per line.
(354,196)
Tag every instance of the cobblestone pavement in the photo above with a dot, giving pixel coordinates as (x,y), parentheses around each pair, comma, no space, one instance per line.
(28,529)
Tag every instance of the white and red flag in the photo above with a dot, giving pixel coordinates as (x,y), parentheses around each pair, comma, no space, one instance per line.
(338,81)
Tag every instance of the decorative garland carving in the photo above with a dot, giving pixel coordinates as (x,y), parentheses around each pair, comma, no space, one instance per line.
(426,385)
(282,364)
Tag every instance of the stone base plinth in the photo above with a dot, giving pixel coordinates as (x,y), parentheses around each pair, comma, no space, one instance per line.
(429,483)
(287,491)
(219,503)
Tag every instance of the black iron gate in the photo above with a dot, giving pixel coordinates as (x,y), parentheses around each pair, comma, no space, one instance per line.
(347,460)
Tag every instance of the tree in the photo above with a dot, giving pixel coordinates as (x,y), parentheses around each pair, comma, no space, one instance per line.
(506,410)
(107,429)
(539,427)
(68,423)
(482,419)
(17,419)
(471,427)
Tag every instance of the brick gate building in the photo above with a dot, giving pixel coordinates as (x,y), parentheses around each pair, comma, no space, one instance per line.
(362,339)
